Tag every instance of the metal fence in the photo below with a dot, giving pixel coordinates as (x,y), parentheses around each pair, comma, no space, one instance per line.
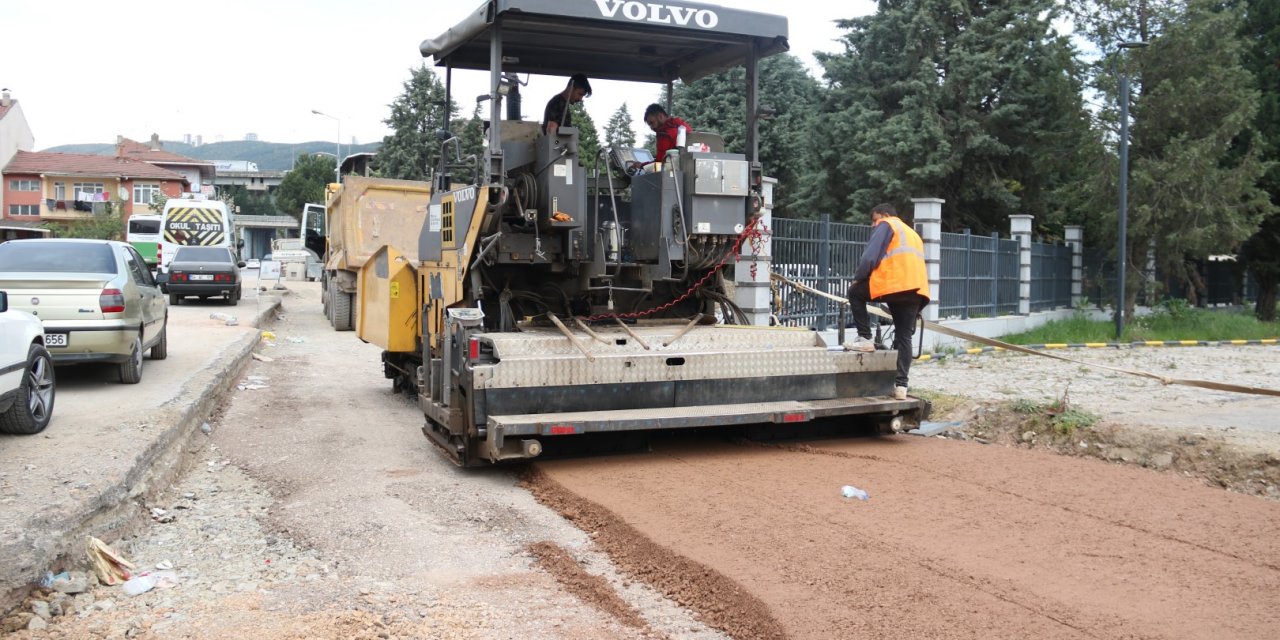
(1050,276)
(1226,282)
(979,274)
(821,254)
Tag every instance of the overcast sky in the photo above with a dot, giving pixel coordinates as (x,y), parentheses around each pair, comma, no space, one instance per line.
(85,71)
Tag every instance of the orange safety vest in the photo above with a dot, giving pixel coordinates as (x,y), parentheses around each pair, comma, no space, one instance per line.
(902,267)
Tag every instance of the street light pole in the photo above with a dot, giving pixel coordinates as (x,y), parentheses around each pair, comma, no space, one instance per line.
(1122,243)
(337,158)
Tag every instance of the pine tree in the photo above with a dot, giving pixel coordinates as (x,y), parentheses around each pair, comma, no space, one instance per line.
(971,101)
(717,104)
(413,149)
(618,132)
(1261,252)
(1193,184)
(588,139)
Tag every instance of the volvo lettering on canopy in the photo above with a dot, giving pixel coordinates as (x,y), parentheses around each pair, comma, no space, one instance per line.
(658,13)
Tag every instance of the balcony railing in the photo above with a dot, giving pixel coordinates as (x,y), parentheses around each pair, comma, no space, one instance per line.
(74,208)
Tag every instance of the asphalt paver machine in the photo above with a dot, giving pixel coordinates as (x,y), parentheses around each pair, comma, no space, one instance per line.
(556,295)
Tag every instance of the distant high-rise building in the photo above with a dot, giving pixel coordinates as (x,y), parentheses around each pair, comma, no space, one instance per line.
(186,138)
(354,142)
(199,139)
(251,137)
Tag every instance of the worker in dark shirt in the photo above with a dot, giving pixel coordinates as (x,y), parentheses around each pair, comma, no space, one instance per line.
(557,112)
(666,129)
(892,271)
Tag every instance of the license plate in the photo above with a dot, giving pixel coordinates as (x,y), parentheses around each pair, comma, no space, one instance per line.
(55,340)
(202,276)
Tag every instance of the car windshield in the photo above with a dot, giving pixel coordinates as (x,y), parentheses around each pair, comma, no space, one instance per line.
(57,257)
(202,254)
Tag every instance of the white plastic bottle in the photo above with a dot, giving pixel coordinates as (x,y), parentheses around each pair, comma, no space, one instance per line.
(681,135)
(139,585)
(850,491)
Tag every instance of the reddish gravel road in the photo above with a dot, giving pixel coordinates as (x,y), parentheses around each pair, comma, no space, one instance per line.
(958,540)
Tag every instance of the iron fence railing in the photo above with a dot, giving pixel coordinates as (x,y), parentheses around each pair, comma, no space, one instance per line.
(1050,276)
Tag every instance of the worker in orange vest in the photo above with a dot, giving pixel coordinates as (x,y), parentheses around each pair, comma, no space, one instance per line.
(891,271)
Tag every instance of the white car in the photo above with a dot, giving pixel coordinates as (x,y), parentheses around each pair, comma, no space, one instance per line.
(26,372)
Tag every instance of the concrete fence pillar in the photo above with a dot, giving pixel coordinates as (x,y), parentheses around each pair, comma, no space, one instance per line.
(751,290)
(928,223)
(1020,229)
(1075,240)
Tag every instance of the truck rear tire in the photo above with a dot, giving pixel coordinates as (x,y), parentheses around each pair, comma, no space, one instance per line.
(343,315)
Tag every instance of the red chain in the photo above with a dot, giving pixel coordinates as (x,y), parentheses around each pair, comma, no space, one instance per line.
(750,232)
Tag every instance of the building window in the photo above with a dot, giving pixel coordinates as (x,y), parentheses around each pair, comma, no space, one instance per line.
(24,209)
(88,190)
(145,193)
(59,191)
(24,185)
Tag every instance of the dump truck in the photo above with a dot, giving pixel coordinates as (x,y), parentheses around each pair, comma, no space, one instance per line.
(543,303)
(362,215)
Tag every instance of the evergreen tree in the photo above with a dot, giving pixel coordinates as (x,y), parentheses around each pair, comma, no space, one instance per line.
(972,101)
(618,132)
(413,149)
(717,104)
(1193,177)
(1261,252)
(471,134)
(304,183)
(588,138)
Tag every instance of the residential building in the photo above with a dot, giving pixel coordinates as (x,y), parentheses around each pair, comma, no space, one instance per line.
(15,136)
(199,173)
(63,187)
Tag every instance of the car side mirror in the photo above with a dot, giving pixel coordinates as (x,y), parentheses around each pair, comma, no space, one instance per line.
(240,264)
(4,302)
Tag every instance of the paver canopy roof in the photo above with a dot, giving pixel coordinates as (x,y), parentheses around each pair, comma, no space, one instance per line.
(612,39)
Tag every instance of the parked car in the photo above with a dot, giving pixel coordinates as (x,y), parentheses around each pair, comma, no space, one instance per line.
(26,372)
(206,272)
(252,263)
(96,300)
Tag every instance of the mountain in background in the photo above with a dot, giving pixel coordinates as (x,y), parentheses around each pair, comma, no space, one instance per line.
(270,156)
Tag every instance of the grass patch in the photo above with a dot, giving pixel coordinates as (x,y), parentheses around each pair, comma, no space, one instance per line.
(943,403)
(1172,320)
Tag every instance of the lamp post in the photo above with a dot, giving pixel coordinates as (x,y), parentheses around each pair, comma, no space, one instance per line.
(337,158)
(1122,254)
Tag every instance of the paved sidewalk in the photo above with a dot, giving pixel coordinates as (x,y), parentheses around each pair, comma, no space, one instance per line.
(110,445)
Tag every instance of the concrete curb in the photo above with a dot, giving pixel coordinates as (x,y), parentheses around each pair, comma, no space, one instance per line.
(114,510)
(1105,345)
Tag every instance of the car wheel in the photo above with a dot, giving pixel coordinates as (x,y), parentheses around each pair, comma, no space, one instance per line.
(175,299)
(131,370)
(33,408)
(160,350)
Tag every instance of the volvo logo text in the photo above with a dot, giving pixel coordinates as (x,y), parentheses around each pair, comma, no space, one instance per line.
(658,13)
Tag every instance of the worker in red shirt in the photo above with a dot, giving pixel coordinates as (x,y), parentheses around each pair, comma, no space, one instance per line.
(666,128)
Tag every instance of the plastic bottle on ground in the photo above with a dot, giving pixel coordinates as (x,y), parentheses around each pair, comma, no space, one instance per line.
(139,585)
(850,491)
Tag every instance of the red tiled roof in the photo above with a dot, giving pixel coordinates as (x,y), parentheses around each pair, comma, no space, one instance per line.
(138,151)
(81,164)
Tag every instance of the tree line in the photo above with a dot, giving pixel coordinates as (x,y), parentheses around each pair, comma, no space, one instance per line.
(998,108)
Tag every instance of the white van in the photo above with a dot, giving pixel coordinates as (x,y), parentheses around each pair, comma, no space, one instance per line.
(204,223)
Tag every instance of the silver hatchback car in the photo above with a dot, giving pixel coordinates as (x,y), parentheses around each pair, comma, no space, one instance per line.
(96,298)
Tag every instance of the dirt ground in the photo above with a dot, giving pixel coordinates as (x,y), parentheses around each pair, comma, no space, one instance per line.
(316,509)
